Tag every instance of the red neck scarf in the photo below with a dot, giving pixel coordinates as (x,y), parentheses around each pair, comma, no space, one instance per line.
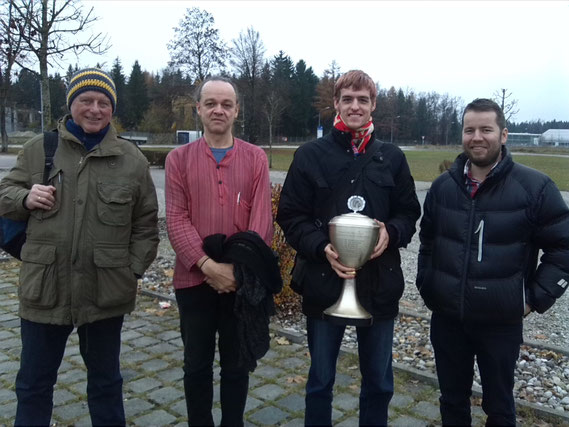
(360,137)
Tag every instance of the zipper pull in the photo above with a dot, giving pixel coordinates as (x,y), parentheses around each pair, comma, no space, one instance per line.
(480,231)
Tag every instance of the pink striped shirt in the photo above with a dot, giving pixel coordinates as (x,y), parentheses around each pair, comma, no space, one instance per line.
(203,198)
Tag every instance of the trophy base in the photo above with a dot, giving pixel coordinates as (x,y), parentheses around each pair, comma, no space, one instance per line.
(348,321)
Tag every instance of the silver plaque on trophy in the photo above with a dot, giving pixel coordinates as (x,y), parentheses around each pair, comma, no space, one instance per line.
(353,236)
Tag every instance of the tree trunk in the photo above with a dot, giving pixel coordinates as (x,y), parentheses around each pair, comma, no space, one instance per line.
(3,126)
(270,144)
(4,82)
(44,76)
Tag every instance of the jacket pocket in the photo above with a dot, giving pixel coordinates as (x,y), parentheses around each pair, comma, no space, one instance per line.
(114,203)
(242,212)
(500,300)
(116,282)
(38,276)
(379,175)
(321,285)
(381,282)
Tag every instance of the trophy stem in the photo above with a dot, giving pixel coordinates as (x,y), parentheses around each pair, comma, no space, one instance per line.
(347,310)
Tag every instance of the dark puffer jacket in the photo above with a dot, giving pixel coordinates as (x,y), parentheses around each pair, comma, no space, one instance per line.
(478,256)
(310,198)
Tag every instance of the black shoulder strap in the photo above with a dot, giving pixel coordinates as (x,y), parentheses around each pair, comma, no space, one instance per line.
(50,141)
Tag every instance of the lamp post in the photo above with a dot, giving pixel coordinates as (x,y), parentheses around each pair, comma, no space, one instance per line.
(392,119)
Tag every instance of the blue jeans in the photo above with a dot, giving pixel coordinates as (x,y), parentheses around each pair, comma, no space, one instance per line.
(496,348)
(374,349)
(43,346)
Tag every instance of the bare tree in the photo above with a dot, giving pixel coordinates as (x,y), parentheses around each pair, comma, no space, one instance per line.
(509,105)
(273,109)
(53,28)
(247,59)
(196,48)
(11,51)
(324,100)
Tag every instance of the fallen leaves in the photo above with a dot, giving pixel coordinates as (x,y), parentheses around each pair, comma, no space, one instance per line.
(298,379)
(282,341)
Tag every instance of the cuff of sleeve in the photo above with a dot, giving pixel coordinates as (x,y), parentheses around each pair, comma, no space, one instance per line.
(320,251)
(393,235)
(137,270)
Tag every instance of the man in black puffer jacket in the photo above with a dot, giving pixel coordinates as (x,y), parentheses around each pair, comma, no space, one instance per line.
(317,187)
(484,222)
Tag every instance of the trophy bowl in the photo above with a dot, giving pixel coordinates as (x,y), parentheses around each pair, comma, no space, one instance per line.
(353,236)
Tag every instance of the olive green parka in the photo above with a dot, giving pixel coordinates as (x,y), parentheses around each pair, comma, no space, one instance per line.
(81,258)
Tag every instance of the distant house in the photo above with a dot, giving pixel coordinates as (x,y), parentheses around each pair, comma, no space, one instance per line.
(523,138)
(555,137)
(21,119)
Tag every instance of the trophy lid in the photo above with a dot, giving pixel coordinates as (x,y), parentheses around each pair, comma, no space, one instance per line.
(354,219)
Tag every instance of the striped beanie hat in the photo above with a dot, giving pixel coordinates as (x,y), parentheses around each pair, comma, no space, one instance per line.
(91,79)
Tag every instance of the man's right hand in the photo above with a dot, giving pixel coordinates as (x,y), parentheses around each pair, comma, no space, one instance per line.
(219,276)
(40,197)
(340,269)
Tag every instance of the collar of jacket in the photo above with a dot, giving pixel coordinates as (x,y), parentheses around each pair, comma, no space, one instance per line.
(107,147)
(501,169)
(344,139)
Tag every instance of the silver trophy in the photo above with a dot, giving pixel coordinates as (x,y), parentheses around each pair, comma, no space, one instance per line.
(354,236)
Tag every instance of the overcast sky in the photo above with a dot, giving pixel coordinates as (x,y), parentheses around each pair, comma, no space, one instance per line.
(465,49)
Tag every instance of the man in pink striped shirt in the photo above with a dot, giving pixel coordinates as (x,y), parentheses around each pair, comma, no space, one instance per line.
(217,184)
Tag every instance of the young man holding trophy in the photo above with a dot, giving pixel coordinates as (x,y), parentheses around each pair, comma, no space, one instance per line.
(349,170)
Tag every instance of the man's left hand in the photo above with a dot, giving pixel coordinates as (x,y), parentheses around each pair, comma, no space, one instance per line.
(219,276)
(382,241)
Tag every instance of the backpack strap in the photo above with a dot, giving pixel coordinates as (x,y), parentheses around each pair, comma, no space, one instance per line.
(50,141)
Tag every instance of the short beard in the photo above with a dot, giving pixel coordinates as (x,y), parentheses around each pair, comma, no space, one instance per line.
(482,163)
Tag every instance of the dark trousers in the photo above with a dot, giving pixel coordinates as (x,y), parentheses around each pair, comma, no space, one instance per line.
(374,350)
(203,313)
(43,346)
(496,348)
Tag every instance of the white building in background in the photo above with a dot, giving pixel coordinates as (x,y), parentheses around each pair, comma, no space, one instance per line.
(523,138)
(555,137)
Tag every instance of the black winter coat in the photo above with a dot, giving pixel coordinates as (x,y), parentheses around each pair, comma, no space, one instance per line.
(310,198)
(478,256)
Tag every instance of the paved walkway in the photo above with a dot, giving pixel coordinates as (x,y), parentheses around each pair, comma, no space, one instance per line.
(153,388)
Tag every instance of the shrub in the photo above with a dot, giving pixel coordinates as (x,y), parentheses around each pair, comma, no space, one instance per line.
(445,165)
(287,296)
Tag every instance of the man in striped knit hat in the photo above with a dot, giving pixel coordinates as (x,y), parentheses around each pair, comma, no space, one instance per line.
(91,232)
(217,184)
